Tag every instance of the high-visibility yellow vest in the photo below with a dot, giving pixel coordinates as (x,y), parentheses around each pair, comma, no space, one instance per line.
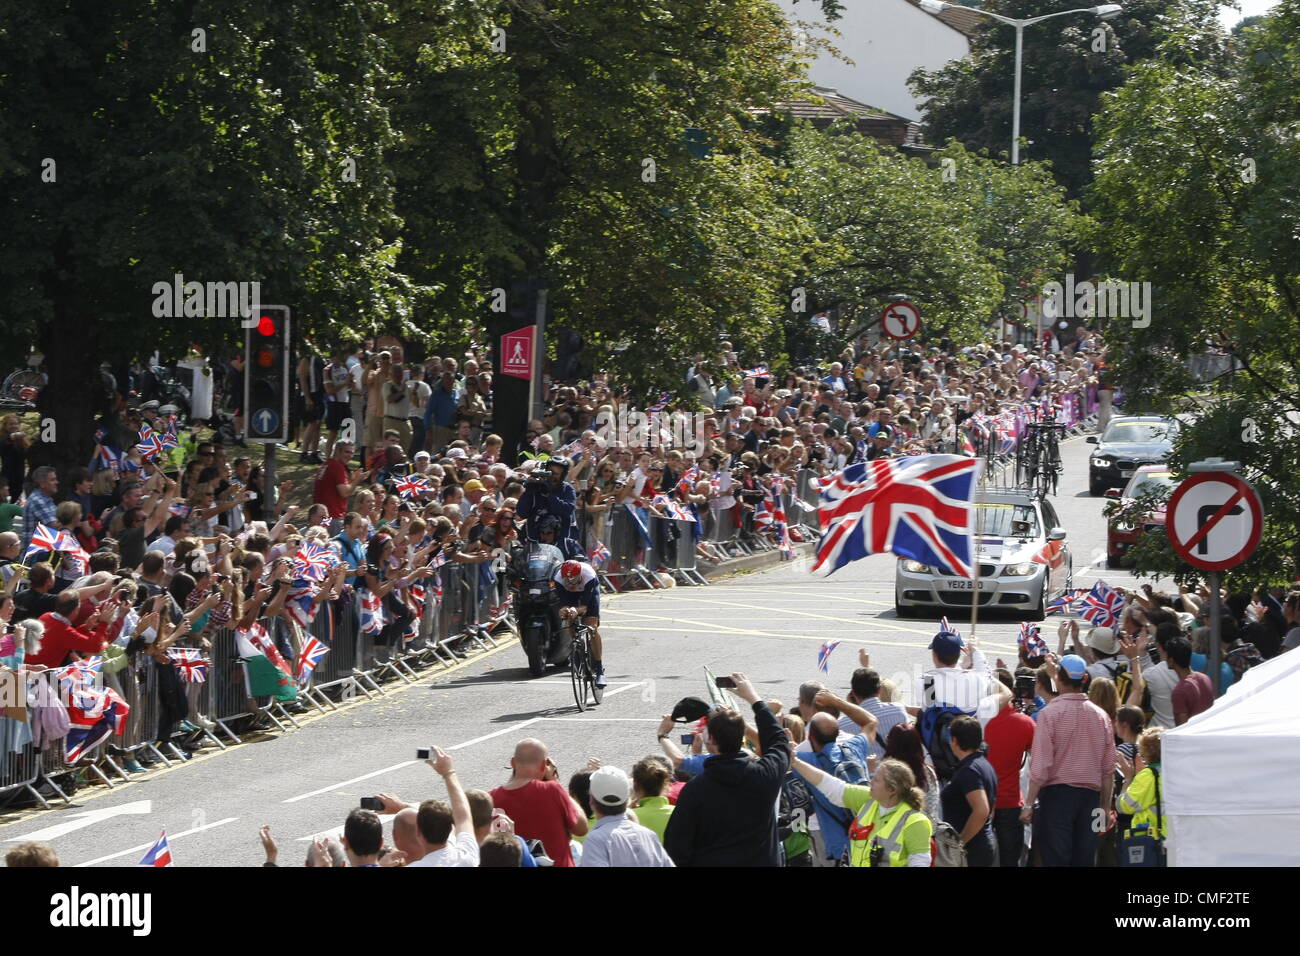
(870,829)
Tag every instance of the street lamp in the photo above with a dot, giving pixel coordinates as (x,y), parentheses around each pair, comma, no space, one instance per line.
(1107,11)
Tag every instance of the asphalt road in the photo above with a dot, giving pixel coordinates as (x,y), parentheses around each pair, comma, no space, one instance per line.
(767,624)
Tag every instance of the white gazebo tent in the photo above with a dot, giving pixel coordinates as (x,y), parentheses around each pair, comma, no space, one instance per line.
(1232,774)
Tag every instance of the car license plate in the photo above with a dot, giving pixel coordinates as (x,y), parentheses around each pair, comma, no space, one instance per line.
(967,585)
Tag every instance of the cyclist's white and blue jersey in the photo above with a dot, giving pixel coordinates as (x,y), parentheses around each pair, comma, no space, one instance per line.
(584,591)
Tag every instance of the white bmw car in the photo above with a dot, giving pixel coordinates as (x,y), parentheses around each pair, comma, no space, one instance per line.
(1024,561)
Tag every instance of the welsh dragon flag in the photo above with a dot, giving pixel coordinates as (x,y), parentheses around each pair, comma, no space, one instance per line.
(266,672)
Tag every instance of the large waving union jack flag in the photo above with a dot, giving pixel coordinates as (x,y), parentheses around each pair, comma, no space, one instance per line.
(45,539)
(1102,606)
(411,486)
(920,507)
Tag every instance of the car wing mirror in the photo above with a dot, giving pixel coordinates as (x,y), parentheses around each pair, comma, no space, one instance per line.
(1091,439)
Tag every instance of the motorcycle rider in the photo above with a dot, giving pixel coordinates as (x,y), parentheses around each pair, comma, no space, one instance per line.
(579,596)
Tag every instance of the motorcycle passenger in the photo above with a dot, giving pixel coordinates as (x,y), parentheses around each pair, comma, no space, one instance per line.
(550,496)
(579,596)
(548,532)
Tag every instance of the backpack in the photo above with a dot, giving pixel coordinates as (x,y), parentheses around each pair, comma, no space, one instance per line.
(1124,686)
(934,725)
(946,847)
(1242,658)
(842,764)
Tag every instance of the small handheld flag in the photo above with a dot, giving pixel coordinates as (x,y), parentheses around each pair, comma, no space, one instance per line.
(160,854)
(824,656)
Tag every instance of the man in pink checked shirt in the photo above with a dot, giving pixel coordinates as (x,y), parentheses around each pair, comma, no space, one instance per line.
(1071,774)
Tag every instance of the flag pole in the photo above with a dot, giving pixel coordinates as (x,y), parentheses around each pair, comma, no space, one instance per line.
(975,553)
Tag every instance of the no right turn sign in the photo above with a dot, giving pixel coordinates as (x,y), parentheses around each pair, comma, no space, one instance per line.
(1215,520)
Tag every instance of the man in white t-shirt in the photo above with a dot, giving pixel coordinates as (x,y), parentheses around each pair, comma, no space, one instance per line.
(973,689)
(447,828)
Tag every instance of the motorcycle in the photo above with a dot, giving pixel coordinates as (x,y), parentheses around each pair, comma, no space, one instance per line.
(532,577)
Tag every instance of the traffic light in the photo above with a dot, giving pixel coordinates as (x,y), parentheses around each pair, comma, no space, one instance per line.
(268,361)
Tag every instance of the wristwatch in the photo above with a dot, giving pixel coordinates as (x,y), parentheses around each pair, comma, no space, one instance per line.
(663,736)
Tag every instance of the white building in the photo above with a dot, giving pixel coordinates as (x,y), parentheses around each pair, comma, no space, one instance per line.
(886,40)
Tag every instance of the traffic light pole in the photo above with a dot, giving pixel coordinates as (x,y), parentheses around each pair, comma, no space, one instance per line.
(270,486)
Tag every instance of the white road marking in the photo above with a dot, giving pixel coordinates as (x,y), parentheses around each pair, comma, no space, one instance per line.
(496,733)
(84,819)
(587,720)
(171,838)
(344,783)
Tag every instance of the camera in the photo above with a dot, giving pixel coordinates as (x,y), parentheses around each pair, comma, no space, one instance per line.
(423,753)
(537,485)
(372,803)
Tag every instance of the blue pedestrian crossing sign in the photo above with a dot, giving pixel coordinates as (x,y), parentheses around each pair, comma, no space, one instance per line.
(265,421)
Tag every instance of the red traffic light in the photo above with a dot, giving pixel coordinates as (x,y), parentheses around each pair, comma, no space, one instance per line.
(266,325)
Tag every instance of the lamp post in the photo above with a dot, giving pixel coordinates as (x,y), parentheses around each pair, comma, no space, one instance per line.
(1106,11)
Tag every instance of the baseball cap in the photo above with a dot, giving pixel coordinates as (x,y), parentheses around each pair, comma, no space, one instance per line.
(610,787)
(690,708)
(1102,639)
(1074,666)
(473,485)
(421,456)
(456,452)
(946,642)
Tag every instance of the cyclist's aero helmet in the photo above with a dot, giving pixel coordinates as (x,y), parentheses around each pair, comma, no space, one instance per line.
(549,525)
(571,570)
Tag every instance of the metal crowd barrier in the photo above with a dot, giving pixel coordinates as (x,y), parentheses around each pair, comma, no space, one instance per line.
(463,620)
(632,560)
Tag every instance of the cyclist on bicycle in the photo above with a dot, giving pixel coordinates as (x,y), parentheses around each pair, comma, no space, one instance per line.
(579,597)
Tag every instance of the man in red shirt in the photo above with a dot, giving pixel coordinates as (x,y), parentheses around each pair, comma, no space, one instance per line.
(61,637)
(1193,694)
(334,486)
(541,808)
(1009,737)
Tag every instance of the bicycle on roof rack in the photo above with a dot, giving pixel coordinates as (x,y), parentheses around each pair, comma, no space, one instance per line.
(1038,459)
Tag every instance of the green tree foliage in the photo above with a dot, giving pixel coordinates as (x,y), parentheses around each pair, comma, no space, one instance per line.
(1068,63)
(963,236)
(1197,180)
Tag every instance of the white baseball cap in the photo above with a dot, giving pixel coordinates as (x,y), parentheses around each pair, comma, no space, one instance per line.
(610,787)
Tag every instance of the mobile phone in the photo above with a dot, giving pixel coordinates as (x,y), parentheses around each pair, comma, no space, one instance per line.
(688,739)
(372,803)
(423,753)
(724,682)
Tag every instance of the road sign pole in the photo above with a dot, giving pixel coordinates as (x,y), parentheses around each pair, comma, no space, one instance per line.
(1216,630)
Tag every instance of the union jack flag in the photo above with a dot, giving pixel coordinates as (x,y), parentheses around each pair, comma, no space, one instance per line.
(919,507)
(599,554)
(314,562)
(686,483)
(372,612)
(150,445)
(411,485)
(160,854)
(946,627)
(758,371)
(311,655)
(762,516)
(966,447)
(108,458)
(1102,606)
(81,673)
(45,539)
(1031,641)
(94,714)
(501,609)
(659,404)
(1067,603)
(191,664)
(824,656)
(301,603)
